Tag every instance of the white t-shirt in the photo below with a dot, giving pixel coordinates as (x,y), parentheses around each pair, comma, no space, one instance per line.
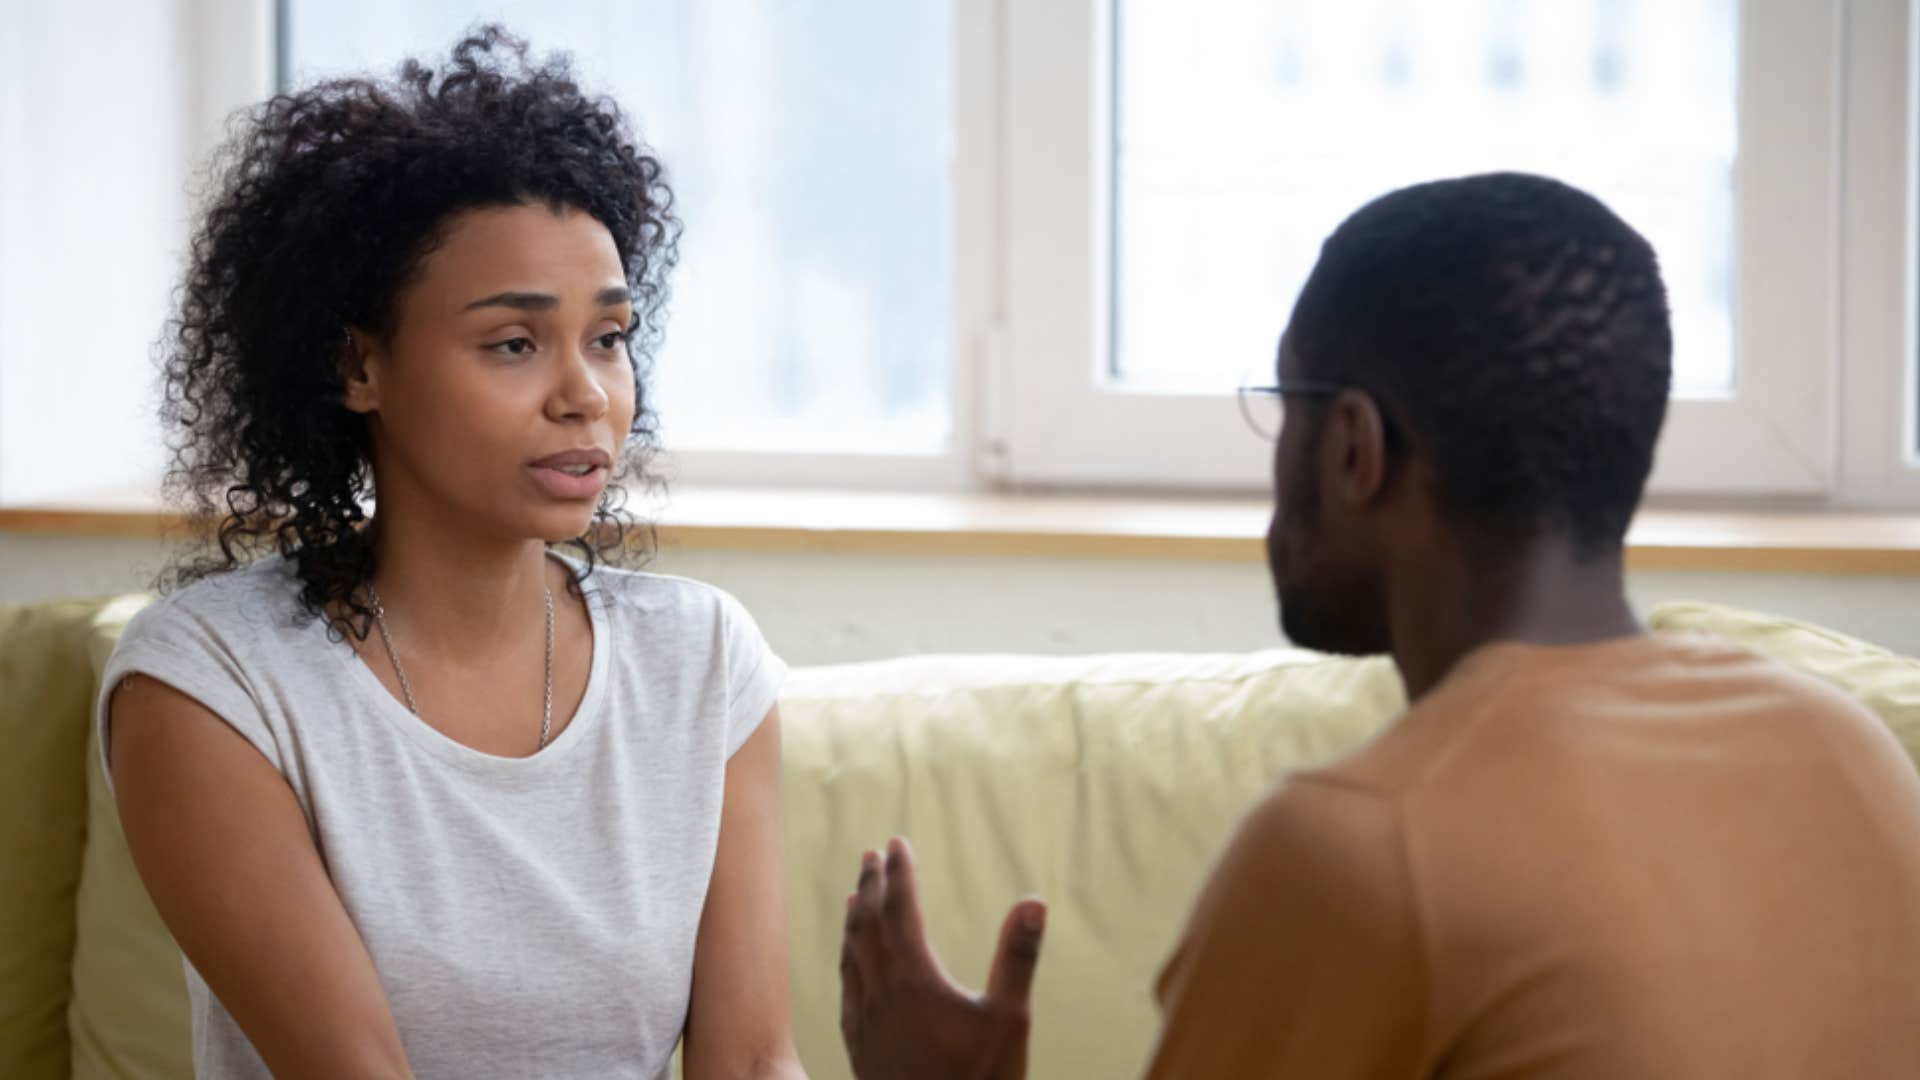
(527,916)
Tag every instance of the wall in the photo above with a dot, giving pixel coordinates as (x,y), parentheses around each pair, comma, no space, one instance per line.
(826,608)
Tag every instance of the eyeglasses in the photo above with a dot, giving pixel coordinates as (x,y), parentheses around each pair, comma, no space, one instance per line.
(1262,406)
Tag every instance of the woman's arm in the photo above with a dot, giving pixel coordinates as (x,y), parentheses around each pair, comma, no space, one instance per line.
(740,1023)
(223,847)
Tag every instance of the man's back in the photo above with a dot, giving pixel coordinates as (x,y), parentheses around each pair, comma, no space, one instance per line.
(1651,857)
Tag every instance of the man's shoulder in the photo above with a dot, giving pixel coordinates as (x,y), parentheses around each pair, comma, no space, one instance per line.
(1515,711)
(1707,655)
(1332,814)
(1405,752)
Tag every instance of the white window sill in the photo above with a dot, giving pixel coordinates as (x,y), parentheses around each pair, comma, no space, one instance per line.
(1110,527)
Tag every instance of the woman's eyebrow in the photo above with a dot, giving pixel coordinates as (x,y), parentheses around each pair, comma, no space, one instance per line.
(519,301)
(532,301)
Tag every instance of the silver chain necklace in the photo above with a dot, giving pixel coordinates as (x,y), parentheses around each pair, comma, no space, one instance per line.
(406,688)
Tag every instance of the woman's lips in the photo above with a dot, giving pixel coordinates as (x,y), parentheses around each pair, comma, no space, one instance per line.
(566,485)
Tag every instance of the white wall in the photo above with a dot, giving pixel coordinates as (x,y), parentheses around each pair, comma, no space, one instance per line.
(824,608)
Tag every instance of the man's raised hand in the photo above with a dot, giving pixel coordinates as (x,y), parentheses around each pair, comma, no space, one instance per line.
(900,1014)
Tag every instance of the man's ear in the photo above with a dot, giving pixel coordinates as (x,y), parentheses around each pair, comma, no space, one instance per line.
(1354,449)
(359,370)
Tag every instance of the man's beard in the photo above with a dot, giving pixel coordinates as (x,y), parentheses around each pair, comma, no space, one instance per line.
(1322,609)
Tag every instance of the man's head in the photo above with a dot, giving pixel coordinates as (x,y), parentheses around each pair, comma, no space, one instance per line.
(1483,361)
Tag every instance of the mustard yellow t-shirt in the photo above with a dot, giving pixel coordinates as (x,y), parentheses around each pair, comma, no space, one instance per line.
(1645,858)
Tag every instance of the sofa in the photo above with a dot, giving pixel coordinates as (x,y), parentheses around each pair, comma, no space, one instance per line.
(1106,784)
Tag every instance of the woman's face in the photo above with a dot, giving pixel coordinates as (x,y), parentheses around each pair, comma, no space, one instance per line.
(504,396)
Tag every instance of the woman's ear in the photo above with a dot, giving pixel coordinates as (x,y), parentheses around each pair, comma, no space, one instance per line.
(358,369)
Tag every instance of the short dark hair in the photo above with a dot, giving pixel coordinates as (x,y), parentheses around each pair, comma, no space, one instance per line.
(325,202)
(1518,329)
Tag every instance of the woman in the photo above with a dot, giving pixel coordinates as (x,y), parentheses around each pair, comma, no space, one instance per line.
(414,794)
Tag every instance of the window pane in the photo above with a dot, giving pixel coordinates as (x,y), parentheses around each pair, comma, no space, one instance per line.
(808,145)
(1246,130)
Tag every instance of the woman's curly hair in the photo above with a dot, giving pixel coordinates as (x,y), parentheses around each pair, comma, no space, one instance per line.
(325,201)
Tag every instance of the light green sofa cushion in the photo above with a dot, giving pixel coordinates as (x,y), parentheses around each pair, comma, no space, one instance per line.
(45,685)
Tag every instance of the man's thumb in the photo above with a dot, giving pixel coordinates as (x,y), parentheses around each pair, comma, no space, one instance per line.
(1017,955)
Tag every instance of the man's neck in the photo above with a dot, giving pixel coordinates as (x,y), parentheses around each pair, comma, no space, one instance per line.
(1545,593)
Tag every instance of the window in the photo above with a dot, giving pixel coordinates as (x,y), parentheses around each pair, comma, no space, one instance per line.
(1879,406)
(948,244)
(1186,163)
(1246,130)
(809,147)
(106,108)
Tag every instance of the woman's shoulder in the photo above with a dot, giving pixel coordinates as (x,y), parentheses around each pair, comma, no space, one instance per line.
(694,627)
(654,595)
(220,640)
(697,616)
(256,602)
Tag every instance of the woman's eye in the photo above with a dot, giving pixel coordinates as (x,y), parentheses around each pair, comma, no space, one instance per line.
(612,340)
(513,346)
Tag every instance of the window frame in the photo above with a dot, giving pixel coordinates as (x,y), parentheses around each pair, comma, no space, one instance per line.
(1879,441)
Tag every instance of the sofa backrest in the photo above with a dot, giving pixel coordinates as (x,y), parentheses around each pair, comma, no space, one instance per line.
(45,682)
(1106,784)
(90,982)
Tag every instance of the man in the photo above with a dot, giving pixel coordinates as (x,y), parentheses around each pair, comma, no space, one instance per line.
(1585,850)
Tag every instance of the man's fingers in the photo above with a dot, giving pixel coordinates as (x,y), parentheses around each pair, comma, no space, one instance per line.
(852,986)
(865,941)
(1010,982)
(871,890)
(872,884)
(905,922)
